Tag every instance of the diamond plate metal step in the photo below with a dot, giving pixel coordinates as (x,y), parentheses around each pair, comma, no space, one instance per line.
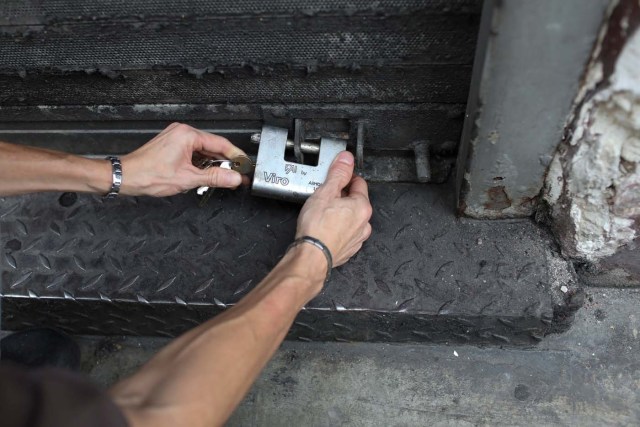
(160,266)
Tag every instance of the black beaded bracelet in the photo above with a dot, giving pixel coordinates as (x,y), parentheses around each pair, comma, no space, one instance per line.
(318,244)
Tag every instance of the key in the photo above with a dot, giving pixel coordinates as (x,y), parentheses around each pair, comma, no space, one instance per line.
(205,196)
(241,164)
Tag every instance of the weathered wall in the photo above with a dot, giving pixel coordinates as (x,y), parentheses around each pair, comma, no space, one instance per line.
(593,183)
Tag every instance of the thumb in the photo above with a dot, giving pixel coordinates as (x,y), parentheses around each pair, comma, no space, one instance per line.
(218,177)
(340,172)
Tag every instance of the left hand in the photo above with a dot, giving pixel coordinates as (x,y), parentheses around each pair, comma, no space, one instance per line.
(338,213)
(162,167)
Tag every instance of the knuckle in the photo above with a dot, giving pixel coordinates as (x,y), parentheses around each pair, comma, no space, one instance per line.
(176,126)
(213,177)
(183,128)
(367,211)
(368,232)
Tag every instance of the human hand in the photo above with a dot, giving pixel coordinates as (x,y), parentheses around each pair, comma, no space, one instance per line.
(162,167)
(338,212)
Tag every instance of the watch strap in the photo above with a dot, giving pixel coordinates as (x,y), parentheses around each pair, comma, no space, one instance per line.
(116,177)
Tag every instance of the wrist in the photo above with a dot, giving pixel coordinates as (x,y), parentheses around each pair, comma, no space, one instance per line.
(99,176)
(309,264)
(135,181)
(85,175)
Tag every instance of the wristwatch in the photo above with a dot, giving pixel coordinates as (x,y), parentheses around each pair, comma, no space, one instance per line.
(116,177)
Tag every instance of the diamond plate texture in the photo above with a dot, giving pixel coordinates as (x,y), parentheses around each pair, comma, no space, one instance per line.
(160,266)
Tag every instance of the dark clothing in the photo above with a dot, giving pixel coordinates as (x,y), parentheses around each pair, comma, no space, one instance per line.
(40,347)
(51,397)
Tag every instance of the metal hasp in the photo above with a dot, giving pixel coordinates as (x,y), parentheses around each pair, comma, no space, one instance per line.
(277,178)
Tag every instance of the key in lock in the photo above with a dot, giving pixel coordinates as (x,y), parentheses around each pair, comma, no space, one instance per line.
(240,164)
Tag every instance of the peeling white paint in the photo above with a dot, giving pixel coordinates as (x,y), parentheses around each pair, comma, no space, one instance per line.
(158,108)
(103,109)
(554,182)
(628,66)
(631,150)
(493,137)
(238,108)
(601,179)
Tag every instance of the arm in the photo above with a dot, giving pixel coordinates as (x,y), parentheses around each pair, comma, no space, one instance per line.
(29,170)
(201,377)
(162,167)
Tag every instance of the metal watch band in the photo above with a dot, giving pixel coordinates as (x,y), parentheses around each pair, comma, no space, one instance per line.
(318,244)
(116,177)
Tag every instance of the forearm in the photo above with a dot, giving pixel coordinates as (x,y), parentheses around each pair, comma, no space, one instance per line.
(201,377)
(26,170)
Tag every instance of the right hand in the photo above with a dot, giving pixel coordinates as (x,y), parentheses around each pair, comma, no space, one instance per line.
(338,212)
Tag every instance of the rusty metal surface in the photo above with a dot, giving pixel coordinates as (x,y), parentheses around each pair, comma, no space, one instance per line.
(160,266)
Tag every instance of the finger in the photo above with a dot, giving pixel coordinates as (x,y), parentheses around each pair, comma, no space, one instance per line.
(216,177)
(214,145)
(367,232)
(340,173)
(352,251)
(356,249)
(361,207)
(220,156)
(215,156)
(358,186)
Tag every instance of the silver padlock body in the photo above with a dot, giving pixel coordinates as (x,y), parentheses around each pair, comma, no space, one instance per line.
(277,178)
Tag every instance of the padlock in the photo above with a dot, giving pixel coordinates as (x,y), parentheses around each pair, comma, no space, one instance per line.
(278,178)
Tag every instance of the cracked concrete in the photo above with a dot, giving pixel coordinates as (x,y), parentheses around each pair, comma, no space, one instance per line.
(588,376)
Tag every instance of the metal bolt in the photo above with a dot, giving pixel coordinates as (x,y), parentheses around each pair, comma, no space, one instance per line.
(305,146)
(423,168)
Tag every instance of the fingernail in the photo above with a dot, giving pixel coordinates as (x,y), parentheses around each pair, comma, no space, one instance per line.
(345,157)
